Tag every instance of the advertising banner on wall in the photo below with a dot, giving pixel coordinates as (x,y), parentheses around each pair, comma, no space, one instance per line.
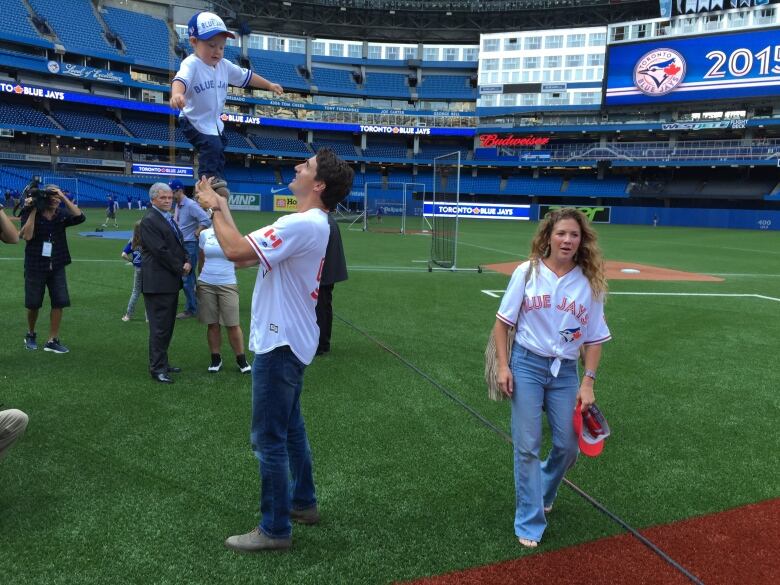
(244,201)
(165,170)
(707,67)
(594,214)
(286,203)
(478,210)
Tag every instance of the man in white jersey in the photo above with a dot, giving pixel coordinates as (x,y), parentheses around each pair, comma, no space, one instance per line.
(283,335)
(199,90)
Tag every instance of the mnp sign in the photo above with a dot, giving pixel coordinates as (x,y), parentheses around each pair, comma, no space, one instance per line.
(478,210)
(285,203)
(594,214)
(245,201)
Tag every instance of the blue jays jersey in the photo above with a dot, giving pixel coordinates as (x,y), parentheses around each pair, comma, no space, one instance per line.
(205,90)
(554,316)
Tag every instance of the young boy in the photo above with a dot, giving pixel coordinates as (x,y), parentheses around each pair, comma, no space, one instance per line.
(199,90)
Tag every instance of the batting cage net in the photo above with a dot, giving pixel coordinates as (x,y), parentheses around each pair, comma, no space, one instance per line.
(444,213)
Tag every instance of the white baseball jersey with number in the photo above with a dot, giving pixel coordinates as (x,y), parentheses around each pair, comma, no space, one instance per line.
(558,314)
(291,253)
(205,91)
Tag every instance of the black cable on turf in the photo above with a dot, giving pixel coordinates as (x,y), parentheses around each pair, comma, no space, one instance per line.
(508,439)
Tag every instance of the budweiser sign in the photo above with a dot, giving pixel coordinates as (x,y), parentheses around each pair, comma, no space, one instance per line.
(488,140)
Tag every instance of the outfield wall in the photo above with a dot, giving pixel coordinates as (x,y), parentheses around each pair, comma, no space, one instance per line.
(702,217)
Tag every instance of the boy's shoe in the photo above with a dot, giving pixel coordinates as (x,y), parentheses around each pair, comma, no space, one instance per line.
(216,363)
(126,318)
(30,342)
(243,366)
(55,346)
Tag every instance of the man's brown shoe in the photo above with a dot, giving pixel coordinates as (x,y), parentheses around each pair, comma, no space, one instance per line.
(256,541)
(305,516)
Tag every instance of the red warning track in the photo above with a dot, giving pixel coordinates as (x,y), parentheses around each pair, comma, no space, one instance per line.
(616,271)
(739,546)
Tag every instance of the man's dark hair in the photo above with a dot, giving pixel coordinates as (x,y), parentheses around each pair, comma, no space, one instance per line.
(337,176)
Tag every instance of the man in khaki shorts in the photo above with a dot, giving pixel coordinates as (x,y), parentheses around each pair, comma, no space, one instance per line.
(217,292)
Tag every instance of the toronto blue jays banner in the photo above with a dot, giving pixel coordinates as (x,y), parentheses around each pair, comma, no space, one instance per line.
(478,210)
(708,67)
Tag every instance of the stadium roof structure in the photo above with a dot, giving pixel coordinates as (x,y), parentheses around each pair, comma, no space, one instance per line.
(427,21)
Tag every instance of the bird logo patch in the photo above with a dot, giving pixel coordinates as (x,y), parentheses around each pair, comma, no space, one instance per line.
(571,334)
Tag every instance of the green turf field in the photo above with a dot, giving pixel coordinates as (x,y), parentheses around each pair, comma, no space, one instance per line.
(121,480)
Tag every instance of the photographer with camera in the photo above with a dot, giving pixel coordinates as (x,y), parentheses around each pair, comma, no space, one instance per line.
(45,257)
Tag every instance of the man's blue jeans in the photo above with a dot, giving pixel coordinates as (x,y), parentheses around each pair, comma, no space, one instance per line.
(537,482)
(191,302)
(279,440)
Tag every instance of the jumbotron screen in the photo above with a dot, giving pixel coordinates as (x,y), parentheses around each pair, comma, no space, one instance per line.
(711,67)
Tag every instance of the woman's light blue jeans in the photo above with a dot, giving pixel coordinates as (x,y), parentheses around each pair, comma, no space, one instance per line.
(536,481)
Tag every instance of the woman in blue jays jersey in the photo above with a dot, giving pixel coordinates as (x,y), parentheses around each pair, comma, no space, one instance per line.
(556,302)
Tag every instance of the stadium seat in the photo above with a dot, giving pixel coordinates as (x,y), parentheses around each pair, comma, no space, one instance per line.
(147,39)
(77,27)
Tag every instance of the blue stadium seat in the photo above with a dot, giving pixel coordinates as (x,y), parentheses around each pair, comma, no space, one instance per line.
(273,144)
(87,122)
(386,85)
(236,140)
(146,38)
(281,68)
(385,151)
(16,22)
(77,26)
(151,129)
(334,80)
(24,115)
(446,87)
(345,149)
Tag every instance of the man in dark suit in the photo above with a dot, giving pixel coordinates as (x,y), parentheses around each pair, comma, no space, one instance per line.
(163,263)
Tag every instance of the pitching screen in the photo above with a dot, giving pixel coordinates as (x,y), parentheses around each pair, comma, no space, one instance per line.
(720,66)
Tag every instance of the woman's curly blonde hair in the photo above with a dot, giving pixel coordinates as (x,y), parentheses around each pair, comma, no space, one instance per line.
(588,256)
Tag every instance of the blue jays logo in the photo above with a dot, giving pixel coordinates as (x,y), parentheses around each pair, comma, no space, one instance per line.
(572,334)
(659,72)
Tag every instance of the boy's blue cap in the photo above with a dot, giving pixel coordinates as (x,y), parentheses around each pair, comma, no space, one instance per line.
(176,184)
(205,25)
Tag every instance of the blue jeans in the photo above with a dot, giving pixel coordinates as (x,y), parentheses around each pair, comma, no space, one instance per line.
(191,299)
(279,440)
(537,482)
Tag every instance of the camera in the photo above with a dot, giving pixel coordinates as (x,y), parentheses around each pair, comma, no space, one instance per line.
(40,197)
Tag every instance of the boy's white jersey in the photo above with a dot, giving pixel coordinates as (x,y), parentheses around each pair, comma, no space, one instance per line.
(558,314)
(205,91)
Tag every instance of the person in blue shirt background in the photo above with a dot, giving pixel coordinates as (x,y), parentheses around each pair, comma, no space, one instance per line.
(132,253)
(191,220)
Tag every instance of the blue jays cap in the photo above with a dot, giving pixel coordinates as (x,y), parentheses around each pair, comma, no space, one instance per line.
(205,25)
(176,184)
(591,429)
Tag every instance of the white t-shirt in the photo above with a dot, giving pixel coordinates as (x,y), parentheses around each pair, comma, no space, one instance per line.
(205,90)
(216,269)
(559,314)
(291,253)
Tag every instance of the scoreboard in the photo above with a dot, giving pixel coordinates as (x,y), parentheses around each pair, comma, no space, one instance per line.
(709,67)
